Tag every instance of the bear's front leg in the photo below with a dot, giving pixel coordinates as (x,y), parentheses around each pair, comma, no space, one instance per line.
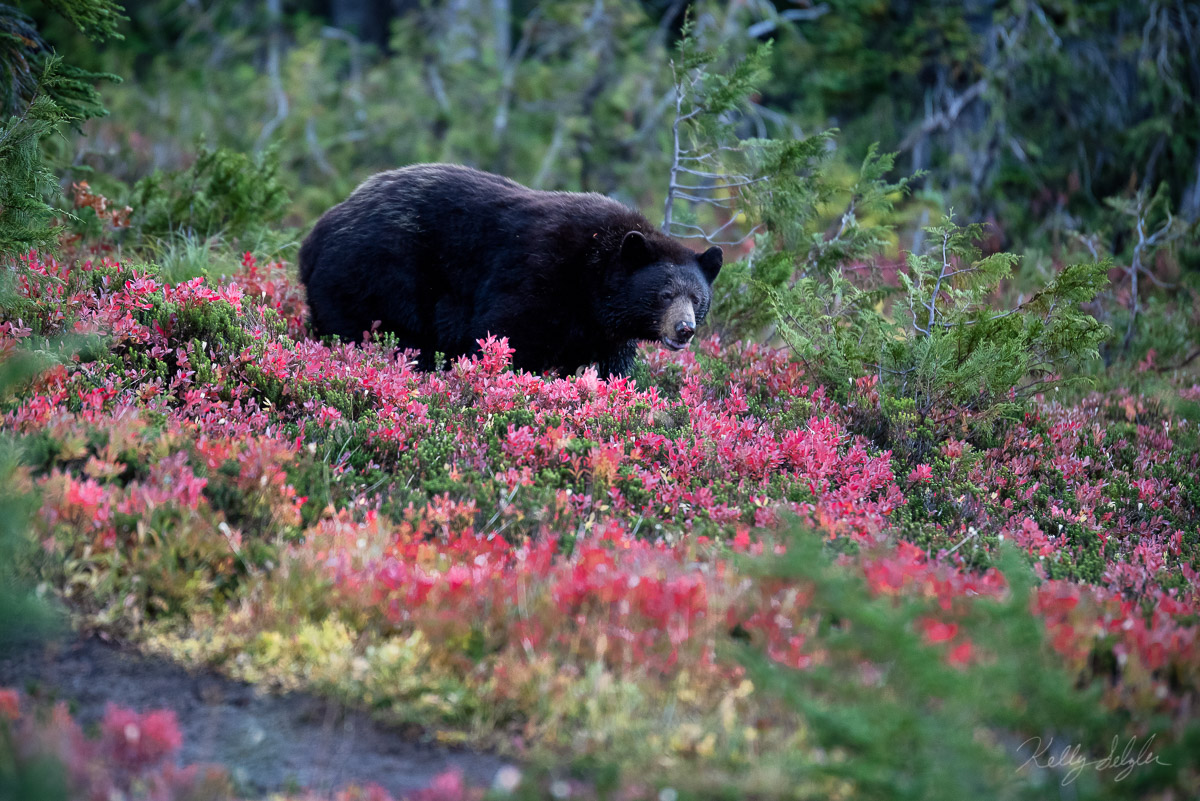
(619,363)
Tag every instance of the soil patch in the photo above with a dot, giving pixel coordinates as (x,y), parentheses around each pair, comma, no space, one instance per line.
(268,743)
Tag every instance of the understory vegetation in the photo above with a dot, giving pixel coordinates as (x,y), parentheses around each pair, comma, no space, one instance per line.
(918,517)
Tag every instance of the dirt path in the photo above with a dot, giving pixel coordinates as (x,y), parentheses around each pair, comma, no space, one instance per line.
(268,743)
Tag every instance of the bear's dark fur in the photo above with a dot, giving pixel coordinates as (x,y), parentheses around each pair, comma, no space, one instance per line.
(443,255)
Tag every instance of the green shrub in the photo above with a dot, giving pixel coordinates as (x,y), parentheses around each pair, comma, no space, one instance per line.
(895,720)
(22,614)
(934,359)
(941,357)
(224,193)
(725,189)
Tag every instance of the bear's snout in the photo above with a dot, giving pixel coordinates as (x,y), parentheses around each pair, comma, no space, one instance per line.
(679,324)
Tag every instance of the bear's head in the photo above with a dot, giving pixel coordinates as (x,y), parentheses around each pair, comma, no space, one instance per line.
(666,288)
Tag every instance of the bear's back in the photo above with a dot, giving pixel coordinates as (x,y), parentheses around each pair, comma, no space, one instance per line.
(463,227)
(444,199)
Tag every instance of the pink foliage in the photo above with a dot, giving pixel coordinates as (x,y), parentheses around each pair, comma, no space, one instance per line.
(627,502)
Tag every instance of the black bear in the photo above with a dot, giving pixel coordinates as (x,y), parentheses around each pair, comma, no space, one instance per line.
(442,255)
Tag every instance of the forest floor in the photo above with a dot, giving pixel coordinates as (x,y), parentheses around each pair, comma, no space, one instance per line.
(269,743)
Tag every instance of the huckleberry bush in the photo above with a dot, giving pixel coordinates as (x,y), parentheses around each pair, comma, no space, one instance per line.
(493,551)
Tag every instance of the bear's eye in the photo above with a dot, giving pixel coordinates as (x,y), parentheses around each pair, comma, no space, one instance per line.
(665,295)
(695,301)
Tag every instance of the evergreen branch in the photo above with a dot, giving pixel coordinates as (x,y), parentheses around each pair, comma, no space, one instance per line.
(815,252)
(95,19)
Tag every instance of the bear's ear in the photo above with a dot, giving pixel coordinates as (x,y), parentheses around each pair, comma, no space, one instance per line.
(635,250)
(710,263)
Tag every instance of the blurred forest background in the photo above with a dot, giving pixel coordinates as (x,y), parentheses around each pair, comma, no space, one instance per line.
(1072,128)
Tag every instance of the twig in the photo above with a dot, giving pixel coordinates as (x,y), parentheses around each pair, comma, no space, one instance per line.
(1165,233)
(314,148)
(676,150)
(712,201)
(766,26)
(970,536)
(1188,360)
(729,185)
(944,119)
(937,287)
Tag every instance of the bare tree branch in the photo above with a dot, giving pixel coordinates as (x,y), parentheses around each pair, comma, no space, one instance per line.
(509,76)
(766,26)
(314,148)
(1165,234)
(274,46)
(556,143)
(945,118)
(937,287)
(729,184)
